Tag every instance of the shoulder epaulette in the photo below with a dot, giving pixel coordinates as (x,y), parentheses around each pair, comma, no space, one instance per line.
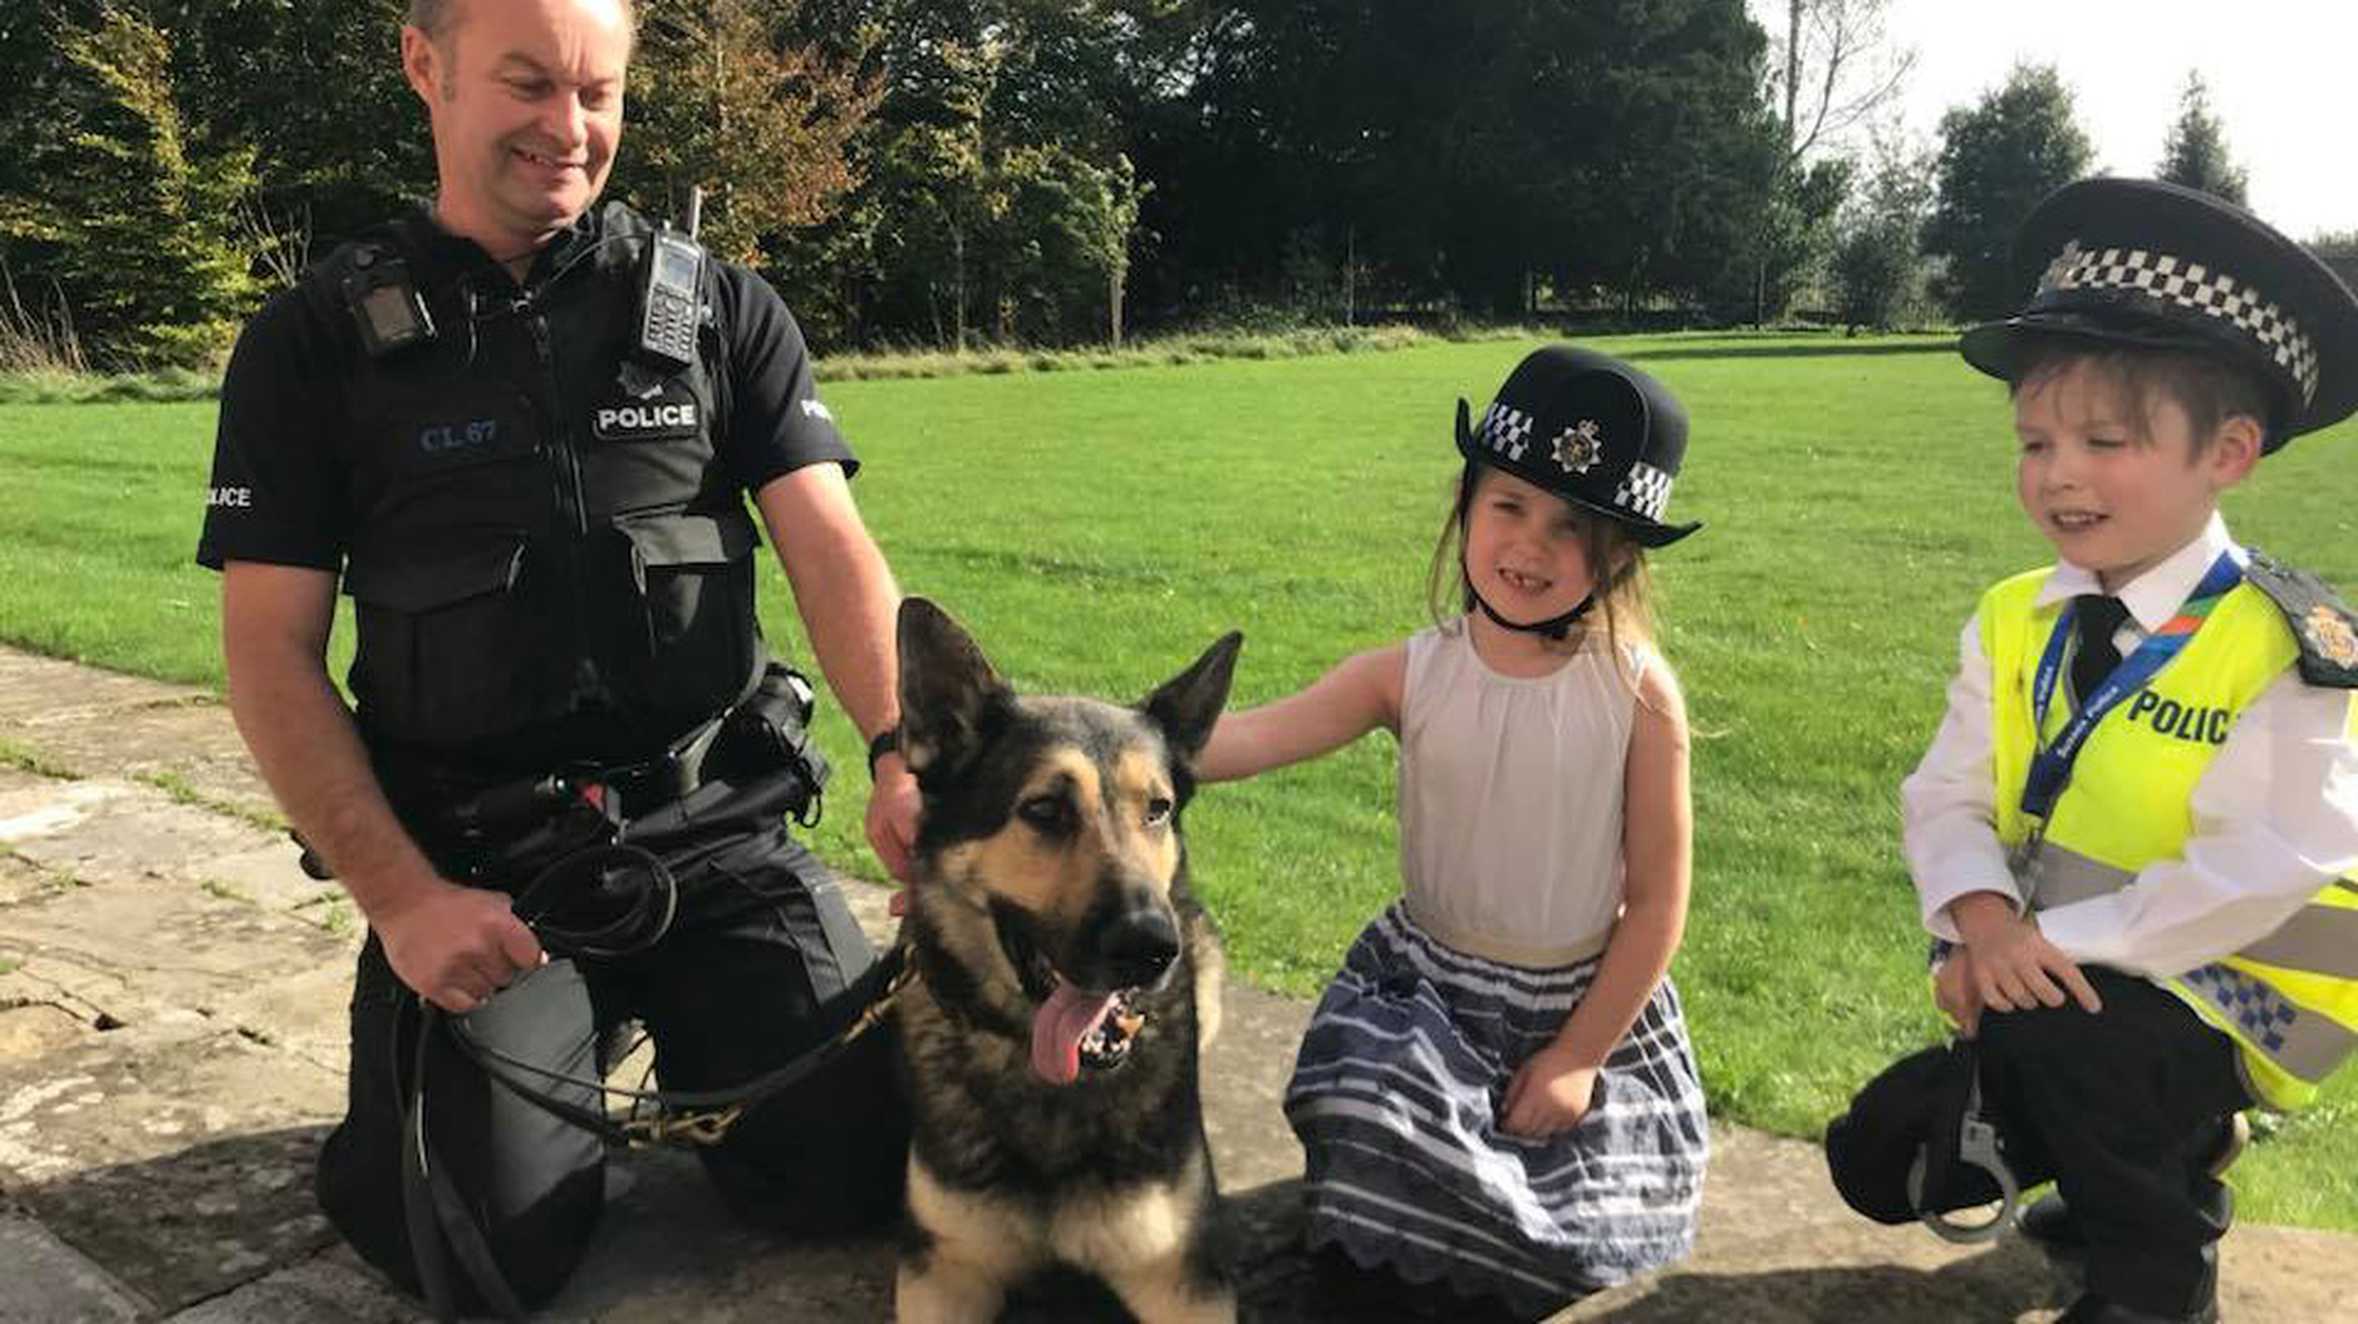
(2322,625)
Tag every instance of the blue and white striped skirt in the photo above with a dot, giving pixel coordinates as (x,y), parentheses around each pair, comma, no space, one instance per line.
(1396,1096)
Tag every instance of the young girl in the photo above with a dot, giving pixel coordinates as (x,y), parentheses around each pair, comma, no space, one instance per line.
(1497,1092)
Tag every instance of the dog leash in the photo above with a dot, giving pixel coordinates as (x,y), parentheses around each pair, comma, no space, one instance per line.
(691,1118)
(441,1226)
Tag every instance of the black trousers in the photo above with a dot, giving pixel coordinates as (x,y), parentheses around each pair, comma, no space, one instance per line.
(2121,1110)
(749,976)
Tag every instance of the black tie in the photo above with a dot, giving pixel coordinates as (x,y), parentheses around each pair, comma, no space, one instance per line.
(2096,622)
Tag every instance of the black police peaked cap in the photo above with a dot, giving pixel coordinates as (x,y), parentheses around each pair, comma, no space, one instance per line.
(2138,262)
(1589,428)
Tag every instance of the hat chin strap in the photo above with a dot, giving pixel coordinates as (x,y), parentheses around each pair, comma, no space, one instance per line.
(1554,627)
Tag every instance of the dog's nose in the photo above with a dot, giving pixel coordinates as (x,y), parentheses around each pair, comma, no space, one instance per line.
(1139,946)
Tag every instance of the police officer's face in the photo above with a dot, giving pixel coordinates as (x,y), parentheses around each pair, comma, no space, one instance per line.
(526,101)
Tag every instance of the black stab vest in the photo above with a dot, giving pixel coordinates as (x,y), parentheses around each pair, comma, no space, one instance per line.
(545,568)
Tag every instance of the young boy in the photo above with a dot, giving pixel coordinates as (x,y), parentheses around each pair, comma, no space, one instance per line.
(2135,821)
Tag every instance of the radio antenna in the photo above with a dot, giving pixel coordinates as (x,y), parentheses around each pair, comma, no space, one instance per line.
(695,208)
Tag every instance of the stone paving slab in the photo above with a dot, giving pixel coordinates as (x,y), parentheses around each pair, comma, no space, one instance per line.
(333,1287)
(1777,1247)
(183,1166)
(111,829)
(143,952)
(49,692)
(49,1281)
(93,722)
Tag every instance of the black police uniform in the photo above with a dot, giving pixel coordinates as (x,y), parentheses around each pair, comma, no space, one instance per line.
(552,568)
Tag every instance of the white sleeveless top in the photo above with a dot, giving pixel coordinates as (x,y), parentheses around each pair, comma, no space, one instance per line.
(1510,798)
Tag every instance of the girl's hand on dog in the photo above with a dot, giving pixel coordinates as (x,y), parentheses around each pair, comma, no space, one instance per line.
(456,946)
(1550,1093)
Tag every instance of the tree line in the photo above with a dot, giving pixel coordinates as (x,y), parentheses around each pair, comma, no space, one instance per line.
(1055,171)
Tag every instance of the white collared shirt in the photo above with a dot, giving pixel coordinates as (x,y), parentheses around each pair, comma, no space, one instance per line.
(2275,814)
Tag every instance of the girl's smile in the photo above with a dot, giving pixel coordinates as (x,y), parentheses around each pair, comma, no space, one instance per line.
(1524,552)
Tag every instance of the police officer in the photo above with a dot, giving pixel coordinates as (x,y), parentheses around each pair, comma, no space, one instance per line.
(545,536)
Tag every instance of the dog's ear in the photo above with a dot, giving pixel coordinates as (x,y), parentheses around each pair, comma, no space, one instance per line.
(947,686)
(1189,703)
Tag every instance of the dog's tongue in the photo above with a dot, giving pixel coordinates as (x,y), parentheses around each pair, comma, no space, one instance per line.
(1063,1021)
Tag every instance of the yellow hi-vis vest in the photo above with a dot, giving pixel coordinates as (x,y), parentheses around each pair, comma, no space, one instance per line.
(2290,1000)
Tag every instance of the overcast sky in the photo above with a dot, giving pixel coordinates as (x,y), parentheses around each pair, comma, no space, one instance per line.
(2280,74)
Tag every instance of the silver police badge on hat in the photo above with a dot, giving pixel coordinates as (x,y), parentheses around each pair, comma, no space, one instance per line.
(1577,447)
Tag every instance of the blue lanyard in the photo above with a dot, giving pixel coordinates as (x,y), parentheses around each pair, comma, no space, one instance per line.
(2050,768)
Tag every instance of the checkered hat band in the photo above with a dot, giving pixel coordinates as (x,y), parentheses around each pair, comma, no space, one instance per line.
(1506,430)
(2191,285)
(1645,490)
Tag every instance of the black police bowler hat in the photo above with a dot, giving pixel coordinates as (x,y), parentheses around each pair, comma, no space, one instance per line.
(1913,1110)
(1590,429)
(2139,262)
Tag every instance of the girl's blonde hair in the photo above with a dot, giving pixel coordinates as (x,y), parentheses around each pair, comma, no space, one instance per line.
(1624,587)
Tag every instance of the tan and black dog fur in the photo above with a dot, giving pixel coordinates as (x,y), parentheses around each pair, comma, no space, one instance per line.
(1049,858)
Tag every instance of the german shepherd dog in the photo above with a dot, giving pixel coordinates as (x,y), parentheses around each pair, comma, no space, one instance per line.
(1066,982)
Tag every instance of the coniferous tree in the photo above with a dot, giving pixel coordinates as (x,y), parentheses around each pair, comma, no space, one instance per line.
(128,207)
(2195,153)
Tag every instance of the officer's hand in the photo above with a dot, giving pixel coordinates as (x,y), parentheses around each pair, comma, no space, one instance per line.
(892,814)
(456,946)
(1955,992)
(2014,966)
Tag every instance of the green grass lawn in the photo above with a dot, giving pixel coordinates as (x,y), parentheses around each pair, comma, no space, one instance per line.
(1097,530)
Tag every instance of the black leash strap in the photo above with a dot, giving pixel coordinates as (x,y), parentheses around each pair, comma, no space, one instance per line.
(440,1224)
(638,897)
(691,1118)
(607,898)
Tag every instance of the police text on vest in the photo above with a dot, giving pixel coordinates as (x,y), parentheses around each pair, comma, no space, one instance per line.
(2183,720)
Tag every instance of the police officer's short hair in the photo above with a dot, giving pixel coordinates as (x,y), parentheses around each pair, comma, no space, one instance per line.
(432,17)
(429,16)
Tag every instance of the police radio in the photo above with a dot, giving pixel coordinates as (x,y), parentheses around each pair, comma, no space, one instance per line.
(670,302)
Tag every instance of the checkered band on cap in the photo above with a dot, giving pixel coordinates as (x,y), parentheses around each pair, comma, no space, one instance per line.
(1506,430)
(1645,490)
(2174,280)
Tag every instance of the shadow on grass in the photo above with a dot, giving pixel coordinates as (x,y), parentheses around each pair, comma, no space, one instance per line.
(1829,349)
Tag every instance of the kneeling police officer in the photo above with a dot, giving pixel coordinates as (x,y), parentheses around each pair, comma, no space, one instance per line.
(520,428)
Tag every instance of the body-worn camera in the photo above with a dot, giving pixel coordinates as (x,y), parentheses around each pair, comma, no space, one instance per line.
(385,305)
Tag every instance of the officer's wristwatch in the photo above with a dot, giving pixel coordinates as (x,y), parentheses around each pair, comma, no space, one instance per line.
(887,741)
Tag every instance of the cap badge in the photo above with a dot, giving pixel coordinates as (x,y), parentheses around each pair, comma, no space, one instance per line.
(2330,633)
(1577,447)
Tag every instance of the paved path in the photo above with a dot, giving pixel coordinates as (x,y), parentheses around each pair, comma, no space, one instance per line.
(172,994)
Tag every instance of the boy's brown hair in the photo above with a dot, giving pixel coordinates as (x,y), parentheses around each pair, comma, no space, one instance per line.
(2208,387)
